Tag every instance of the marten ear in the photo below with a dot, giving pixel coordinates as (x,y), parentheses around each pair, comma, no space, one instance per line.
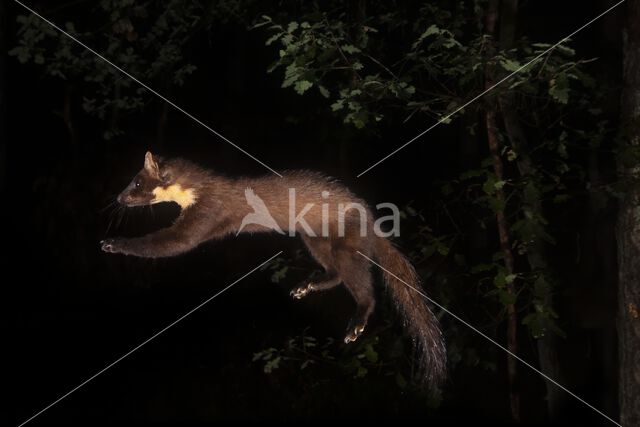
(151,166)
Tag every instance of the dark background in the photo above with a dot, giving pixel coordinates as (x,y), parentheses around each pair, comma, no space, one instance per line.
(71,310)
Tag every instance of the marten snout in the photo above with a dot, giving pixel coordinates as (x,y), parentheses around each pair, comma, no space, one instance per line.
(127,199)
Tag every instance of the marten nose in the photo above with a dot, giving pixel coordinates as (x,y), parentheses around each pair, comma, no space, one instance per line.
(121,199)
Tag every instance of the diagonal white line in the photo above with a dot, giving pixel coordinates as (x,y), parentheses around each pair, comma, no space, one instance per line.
(192,117)
(145,342)
(493,341)
(445,118)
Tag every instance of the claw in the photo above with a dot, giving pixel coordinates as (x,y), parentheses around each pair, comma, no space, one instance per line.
(352,336)
(302,291)
(107,245)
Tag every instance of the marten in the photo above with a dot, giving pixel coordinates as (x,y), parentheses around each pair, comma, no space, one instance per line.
(214,206)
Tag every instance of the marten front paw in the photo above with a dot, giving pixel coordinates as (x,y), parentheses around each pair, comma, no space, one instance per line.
(110,245)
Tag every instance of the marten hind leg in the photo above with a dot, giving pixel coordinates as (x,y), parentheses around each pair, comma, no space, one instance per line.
(320,249)
(355,272)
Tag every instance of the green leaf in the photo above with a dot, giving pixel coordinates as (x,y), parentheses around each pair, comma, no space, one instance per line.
(370,354)
(272,365)
(471,174)
(22,52)
(489,186)
(338,105)
(324,91)
(280,274)
(541,288)
(446,189)
(361,372)
(445,120)
(566,50)
(535,323)
(506,298)
(273,38)
(559,89)
(496,205)
(433,29)
(349,48)
(479,268)
(442,249)
(500,280)
(359,119)
(287,40)
(288,81)
(302,86)
(510,65)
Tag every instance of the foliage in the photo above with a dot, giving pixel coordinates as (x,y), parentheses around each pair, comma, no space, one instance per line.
(361,76)
(148,40)
(304,351)
(407,63)
(378,354)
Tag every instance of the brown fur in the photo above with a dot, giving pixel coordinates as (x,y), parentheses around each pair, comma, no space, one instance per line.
(214,206)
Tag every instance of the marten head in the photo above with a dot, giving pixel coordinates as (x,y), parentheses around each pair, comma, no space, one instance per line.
(156,182)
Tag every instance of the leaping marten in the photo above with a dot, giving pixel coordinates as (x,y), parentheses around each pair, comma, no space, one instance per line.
(334,225)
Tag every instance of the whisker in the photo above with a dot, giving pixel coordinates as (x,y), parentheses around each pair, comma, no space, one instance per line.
(120,212)
(126,216)
(110,204)
(111,216)
(110,209)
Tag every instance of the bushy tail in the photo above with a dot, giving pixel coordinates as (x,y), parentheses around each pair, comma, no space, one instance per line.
(418,319)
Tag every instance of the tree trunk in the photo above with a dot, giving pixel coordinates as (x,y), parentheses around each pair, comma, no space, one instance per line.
(491,18)
(536,252)
(628,229)
(3,97)
(505,246)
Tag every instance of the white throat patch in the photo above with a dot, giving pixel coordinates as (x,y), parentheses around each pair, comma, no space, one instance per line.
(175,193)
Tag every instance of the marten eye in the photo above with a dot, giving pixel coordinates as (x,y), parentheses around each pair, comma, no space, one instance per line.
(136,183)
